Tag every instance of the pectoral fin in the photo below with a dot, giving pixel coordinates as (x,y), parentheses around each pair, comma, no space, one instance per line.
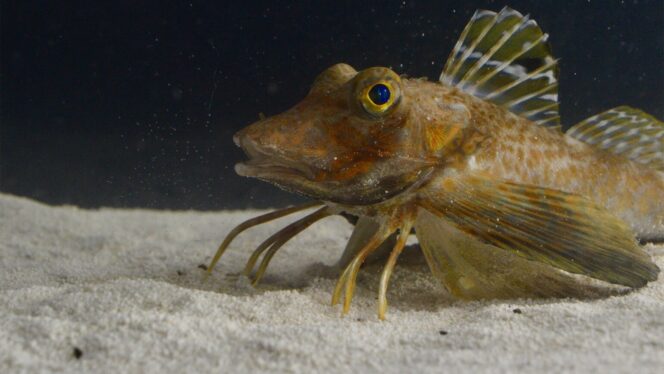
(564,230)
(472,269)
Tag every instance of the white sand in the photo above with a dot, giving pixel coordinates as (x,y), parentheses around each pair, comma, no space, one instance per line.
(125,288)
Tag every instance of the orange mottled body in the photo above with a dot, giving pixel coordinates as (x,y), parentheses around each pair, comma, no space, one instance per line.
(515,149)
(503,203)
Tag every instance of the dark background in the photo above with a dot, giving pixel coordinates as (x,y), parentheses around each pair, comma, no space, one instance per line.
(134,103)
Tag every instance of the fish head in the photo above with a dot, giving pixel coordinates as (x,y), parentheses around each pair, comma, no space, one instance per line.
(352,140)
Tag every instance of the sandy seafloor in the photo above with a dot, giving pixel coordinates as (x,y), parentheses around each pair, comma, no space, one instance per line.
(124,288)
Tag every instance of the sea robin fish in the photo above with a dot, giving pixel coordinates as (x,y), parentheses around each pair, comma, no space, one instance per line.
(476,165)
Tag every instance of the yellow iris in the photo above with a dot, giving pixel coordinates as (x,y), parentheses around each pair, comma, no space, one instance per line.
(378,98)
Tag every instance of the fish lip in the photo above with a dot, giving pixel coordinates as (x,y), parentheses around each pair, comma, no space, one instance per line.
(269,170)
(264,164)
(266,170)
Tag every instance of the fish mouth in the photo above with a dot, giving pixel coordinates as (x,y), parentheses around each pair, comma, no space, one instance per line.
(268,164)
(266,169)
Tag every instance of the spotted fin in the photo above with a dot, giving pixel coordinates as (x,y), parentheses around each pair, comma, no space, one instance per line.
(625,131)
(505,58)
(560,229)
(472,269)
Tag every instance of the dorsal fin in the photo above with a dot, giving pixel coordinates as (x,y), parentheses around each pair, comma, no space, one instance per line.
(504,58)
(625,131)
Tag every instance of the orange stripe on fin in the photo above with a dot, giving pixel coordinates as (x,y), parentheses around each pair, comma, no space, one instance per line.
(563,230)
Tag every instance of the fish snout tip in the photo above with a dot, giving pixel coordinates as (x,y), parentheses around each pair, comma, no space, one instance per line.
(242,169)
(236,139)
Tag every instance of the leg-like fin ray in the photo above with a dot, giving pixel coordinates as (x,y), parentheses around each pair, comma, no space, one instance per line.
(404,232)
(254,222)
(347,279)
(365,228)
(286,234)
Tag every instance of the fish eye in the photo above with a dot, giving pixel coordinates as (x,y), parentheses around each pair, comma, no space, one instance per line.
(379,94)
(379,98)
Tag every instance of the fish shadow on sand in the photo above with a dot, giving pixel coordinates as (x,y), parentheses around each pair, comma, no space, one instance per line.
(412,286)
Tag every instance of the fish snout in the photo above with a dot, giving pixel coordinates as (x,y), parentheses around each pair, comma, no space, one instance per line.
(267,158)
(248,143)
(261,137)
(236,139)
(251,145)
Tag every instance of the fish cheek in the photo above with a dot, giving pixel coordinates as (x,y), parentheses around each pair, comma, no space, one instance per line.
(359,159)
(343,144)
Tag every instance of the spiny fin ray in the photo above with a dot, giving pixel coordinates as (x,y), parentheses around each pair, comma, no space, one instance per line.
(504,58)
(625,131)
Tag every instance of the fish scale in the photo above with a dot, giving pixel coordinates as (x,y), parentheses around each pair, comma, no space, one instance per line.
(475,165)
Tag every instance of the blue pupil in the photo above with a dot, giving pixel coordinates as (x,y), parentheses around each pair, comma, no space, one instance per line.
(379,94)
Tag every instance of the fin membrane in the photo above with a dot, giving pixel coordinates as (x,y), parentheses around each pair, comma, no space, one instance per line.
(505,58)
(365,228)
(625,131)
(560,229)
(472,269)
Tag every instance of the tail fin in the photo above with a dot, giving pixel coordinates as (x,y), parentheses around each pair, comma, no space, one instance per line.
(625,131)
